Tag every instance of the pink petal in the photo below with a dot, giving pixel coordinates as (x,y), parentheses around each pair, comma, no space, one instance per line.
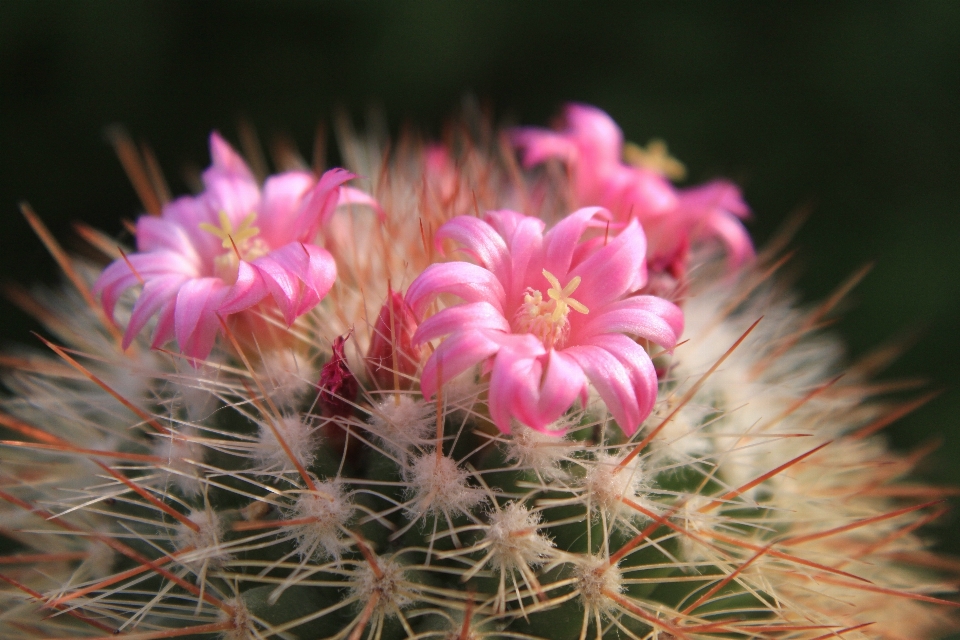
(195,318)
(248,290)
(516,372)
(598,136)
(226,160)
(118,276)
(614,270)
(647,317)
(562,382)
(612,381)
(477,239)
(637,362)
(157,234)
(166,321)
(718,195)
(350,196)
(524,239)
(157,293)
(526,247)
(635,192)
(540,145)
(560,243)
(455,355)
(506,222)
(282,195)
(230,186)
(468,316)
(281,273)
(188,212)
(467,281)
(732,233)
(319,204)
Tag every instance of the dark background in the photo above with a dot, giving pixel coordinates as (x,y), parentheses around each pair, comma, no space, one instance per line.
(853,108)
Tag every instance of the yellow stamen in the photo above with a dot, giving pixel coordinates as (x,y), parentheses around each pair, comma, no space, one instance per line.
(229,235)
(547,319)
(562,296)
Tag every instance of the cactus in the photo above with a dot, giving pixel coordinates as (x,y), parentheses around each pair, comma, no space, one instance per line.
(307,459)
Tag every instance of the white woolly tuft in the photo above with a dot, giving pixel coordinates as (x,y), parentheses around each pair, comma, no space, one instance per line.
(203,545)
(439,486)
(539,451)
(329,508)
(403,423)
(297,432)
(606,484)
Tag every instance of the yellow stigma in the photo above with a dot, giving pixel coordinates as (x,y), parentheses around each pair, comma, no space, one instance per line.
(241,243)
(547,319)
(233,237)
(656,157)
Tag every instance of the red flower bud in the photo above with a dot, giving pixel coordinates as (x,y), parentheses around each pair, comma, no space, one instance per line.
(338,386)
(392,358)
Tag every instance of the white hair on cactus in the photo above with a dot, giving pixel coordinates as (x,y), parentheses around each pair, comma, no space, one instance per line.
(402,422)
(299,437)
(326,510)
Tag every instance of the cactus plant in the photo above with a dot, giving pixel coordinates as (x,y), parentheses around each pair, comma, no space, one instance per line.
(519,387)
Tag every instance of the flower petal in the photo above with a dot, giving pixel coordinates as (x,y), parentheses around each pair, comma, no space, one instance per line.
(319,204)
(560,243)
(539,145)
(477,239)
(230,186)
(157,293)
(516,373)
(637,362)
(122,274)
(647,317)
(298,276)
(468,316)
(455,355)
(195,317)
(248,290)
(469,282)
(562,382)
(612,381)
(282,195)
(613,270)
(349,197)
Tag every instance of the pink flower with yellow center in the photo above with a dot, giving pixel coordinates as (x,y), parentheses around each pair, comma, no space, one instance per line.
(227,249)
(591,145)
(546,314)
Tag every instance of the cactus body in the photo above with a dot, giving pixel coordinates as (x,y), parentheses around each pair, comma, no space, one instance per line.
(287,488)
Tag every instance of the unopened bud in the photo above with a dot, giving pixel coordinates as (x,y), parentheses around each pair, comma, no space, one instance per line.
(392,358)
(338,386)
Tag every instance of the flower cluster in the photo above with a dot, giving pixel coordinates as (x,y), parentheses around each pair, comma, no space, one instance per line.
(228,249)
(675,220)
(224,251)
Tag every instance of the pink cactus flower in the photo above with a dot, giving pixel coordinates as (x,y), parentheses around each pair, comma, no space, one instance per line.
(227,249)
(546,313)
(591,145)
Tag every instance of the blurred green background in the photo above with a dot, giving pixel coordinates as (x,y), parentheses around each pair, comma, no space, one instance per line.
(852,108)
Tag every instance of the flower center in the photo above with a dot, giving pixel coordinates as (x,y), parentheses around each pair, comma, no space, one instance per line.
(241,243)
(547,319)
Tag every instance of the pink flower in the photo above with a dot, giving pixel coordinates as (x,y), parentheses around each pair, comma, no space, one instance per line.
(546,313)
(227,249)
(591,145)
